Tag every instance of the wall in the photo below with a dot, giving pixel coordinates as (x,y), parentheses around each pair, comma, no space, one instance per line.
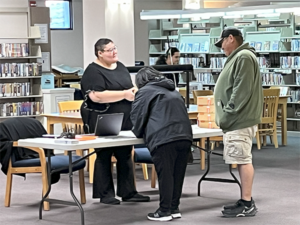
(141,26)
(105,19)
(67,45)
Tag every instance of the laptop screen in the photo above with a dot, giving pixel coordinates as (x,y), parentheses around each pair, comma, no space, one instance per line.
(109,124)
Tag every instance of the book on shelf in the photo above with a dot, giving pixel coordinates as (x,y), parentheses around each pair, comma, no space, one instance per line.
(182,47)
(266,46)
(252,44)
(258,46)
(275,45)
(196,47)
(188,47)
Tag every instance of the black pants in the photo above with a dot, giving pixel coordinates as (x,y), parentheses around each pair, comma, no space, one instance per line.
(170,162)
(103,185)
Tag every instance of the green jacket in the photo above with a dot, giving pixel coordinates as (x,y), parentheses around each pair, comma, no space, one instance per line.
(238,91)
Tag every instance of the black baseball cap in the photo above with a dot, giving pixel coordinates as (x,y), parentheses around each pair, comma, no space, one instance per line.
(226,32)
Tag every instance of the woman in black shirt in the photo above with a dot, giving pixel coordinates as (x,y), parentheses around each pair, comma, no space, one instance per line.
(107,87)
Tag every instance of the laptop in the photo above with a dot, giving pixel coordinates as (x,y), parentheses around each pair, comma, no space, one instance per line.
(109,124)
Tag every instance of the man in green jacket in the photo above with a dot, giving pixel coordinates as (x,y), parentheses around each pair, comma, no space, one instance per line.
(239,101)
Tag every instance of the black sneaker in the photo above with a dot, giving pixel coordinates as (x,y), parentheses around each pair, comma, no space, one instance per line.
(137,198)
(231,206)
(239,210)
(176,214)
(160,216)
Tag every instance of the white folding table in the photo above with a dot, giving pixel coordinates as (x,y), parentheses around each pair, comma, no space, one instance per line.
(123,139)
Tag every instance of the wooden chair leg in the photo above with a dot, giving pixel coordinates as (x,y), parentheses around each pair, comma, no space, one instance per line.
(82,186)
(153,177)
(8,189)
(213,143)
(91,165)
(45,188)
(258,140)
(217,144)
(145,171)
(275,138)
(271,139)
(264,140)
(202,154)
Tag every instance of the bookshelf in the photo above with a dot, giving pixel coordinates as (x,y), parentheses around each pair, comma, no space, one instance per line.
(20,71)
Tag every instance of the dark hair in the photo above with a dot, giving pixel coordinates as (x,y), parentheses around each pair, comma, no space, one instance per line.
(162,58)
(239,40)
(173,50)
(99,46)
(146,74)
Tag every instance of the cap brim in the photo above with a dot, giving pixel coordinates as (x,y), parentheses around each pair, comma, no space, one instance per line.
(219,43)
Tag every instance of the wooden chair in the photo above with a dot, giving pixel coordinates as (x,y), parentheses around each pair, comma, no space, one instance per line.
(141,155)
(268,127)
(36,165)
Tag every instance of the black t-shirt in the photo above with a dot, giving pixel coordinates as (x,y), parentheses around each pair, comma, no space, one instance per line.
(98,78)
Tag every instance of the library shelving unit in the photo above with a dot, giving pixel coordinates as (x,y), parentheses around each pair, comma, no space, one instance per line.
(276,40)
(20,74)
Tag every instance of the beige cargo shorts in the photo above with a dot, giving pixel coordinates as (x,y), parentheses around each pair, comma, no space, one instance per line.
(238,145)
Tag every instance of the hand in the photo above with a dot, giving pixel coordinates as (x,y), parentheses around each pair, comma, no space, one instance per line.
(134,89)
(129,94)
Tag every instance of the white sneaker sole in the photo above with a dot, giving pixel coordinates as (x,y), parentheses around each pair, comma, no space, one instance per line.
(176,215)
(165,218)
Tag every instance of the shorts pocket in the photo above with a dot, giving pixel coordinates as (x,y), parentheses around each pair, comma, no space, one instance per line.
(238,146)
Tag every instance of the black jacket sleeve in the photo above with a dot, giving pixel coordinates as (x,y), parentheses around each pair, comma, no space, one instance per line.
(139,114)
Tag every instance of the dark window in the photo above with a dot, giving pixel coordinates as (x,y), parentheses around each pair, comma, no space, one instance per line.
(60,14)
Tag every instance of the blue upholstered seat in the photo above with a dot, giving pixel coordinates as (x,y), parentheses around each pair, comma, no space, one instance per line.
(142,155)
(57,161)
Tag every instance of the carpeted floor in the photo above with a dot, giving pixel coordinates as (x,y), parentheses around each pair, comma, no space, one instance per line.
(276,192)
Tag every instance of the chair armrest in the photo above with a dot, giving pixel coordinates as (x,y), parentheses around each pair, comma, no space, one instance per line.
(40,151)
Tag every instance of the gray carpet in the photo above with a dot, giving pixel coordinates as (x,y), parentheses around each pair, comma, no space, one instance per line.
(276,192)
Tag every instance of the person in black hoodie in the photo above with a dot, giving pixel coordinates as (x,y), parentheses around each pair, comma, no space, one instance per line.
(160,117)
(171,57)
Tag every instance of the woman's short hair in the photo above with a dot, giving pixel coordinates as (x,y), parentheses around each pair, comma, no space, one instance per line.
(146,74)
(100,45)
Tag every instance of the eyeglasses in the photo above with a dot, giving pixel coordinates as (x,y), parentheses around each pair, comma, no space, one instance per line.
(110,50)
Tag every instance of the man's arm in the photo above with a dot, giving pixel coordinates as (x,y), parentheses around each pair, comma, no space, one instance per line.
(242,86)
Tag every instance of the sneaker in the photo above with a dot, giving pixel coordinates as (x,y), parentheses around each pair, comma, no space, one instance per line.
(240,210)
(231,206)
(110,201)
(137,198)
(160,216)
(176,214)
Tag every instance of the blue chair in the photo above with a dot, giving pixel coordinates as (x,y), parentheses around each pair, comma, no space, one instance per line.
(20,161)
(142,156)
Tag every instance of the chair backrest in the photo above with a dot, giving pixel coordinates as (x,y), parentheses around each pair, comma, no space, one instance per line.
(70,106)
(197,93)
(270,107)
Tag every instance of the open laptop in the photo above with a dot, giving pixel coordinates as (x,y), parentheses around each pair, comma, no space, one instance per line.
(109,124)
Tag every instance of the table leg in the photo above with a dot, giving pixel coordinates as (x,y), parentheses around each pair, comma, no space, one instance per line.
(71,187)
(50,126)
(203,178)
(284,124)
